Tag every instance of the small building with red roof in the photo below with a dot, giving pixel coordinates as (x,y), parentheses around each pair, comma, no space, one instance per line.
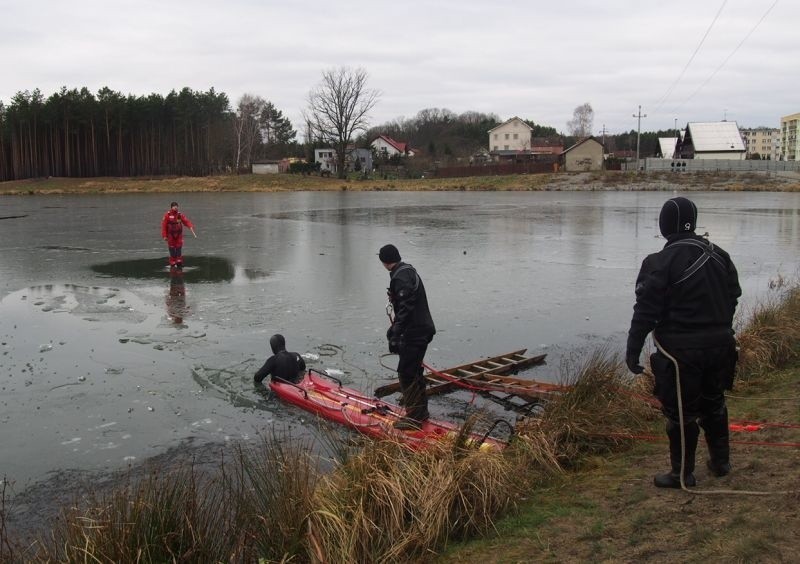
(385,145)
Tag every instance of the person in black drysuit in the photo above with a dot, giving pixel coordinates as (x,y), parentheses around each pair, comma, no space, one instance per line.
(282,365)
(686,294)
(411,331)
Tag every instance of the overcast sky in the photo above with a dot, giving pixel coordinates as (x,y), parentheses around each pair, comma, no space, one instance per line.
(534,59)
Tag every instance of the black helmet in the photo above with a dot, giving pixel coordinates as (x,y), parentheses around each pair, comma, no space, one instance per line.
(678,215)
(278,343)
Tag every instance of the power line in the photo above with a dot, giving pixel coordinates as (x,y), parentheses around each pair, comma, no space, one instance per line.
(689,62)
(713,74)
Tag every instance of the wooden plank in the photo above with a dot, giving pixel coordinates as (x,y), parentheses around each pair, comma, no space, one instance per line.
(498,368)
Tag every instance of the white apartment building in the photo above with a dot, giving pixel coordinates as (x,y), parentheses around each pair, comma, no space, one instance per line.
(764,141)
(790,150)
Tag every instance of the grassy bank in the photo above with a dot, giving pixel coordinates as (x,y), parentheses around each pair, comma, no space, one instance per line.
(609,511)
(526,182)
(575,485)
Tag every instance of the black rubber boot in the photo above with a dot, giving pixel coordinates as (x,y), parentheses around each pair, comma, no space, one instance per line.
(672,479)
(715,427)
(718,469)
(415,400)
(407,424)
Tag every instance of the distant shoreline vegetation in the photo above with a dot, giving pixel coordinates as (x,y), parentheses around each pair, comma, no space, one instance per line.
(77,133)
(592,181)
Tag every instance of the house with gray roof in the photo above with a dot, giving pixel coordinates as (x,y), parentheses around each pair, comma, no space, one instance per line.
(711,140)
(666,147)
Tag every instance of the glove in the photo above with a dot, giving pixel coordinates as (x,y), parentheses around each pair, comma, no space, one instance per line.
(632,360)
(394,340)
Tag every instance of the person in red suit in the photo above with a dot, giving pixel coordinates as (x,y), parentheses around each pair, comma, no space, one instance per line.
(172,232)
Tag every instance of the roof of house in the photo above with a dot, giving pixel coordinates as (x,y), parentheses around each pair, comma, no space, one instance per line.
(509,152)
(400,146)
(718,136)
(581,142)
(509,121)
(547,142)
(667,146)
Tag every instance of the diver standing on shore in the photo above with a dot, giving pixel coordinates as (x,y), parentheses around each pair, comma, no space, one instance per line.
(686,294)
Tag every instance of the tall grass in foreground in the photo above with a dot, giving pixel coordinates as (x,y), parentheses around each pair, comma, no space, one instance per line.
(389,504)
(770,336)
(384,502)
(252,508)
(595,415)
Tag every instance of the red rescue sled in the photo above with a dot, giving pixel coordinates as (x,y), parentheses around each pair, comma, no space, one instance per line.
(325,395)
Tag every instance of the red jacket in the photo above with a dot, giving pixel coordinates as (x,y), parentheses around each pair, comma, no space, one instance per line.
(172,227)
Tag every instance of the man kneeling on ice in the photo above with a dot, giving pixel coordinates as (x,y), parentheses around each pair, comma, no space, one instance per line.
(282,365)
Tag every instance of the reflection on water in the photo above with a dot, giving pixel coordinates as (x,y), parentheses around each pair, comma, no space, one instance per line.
(176,298)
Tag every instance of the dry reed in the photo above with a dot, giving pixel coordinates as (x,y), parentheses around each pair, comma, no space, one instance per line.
(390,504)
(770,337)
(594,415)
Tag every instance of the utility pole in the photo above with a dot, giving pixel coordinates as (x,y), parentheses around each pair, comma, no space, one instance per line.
(604,135)
(638,133)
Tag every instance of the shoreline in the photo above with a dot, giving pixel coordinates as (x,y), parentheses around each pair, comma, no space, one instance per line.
(568,182)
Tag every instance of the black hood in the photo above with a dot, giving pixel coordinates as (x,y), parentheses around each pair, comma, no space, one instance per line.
(278,343)
(678,215)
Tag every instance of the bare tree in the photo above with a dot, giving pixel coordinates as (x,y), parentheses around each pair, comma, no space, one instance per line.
(247,127)
(581,123)
(338,108)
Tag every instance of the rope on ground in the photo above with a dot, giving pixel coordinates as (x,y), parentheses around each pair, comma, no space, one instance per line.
(730,396)
(658,438)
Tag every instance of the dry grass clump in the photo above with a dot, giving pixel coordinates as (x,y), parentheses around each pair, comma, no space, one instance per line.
(770,337)
(162,518)
(254,509)
(273,492)
(390,504)
(598,412)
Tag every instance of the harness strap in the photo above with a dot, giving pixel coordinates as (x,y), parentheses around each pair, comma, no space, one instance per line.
(709,252)
(406,267)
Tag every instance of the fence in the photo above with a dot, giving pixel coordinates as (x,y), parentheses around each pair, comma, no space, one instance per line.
(714,165)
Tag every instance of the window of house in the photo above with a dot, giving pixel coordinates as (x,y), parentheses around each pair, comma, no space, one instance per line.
(507,135)
(516,136)
(495,136)
(505,147)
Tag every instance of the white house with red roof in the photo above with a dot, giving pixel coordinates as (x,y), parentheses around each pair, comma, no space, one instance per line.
(385,145)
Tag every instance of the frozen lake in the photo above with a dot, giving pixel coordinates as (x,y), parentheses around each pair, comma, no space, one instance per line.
(106,359)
